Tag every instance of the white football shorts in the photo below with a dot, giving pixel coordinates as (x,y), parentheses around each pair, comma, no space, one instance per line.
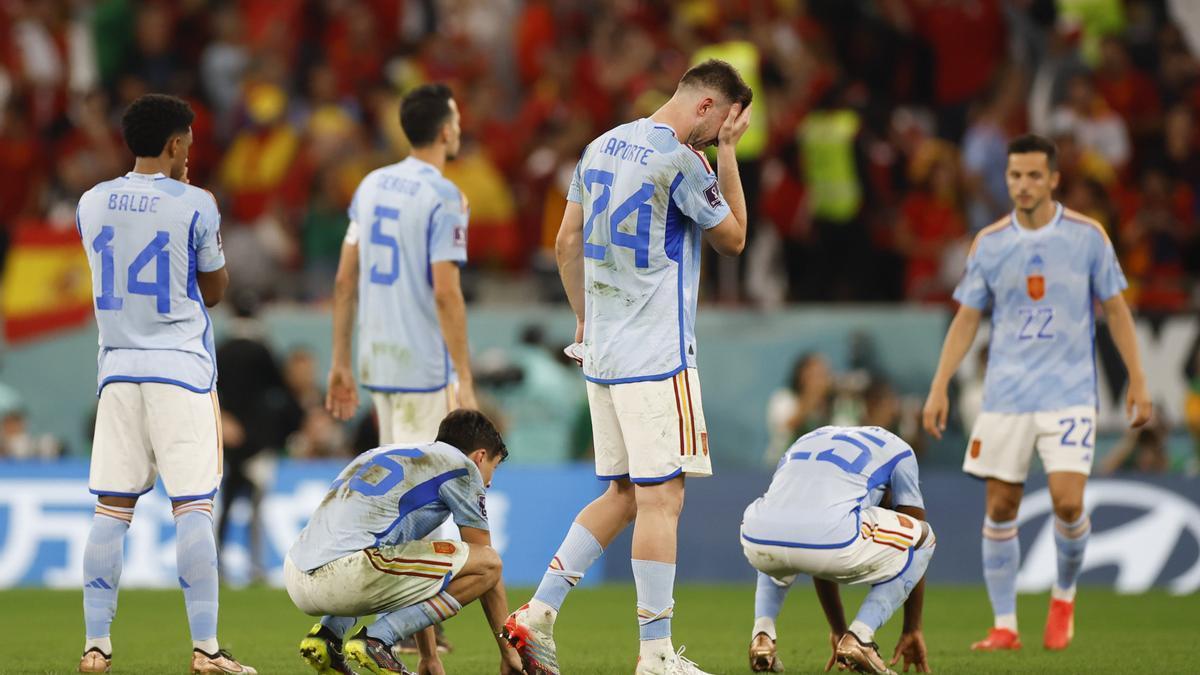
(1002,444)
(880,553)
(376,580)
(649,432)
(412,417)
(150,429)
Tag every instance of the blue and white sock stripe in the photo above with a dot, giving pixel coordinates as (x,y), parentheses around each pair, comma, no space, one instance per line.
(201,505)
(1075,530)
(121,513)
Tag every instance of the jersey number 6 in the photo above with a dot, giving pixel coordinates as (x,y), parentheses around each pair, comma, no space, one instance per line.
(638,201)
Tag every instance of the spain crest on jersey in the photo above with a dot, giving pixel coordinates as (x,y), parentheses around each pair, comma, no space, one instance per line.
(1035,280)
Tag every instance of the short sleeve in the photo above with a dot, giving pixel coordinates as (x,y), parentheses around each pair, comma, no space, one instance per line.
(1107,277)
(575,192)
(906,483)
(973,290)
(697,194)
(352,234)
(465,498)
(448,230)
(209,255)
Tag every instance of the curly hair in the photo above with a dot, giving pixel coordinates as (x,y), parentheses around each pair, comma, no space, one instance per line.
(152,120)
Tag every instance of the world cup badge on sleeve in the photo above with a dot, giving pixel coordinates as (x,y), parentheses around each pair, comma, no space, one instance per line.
(1035,280)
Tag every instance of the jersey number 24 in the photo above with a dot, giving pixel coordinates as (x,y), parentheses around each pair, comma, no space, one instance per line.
(638,202)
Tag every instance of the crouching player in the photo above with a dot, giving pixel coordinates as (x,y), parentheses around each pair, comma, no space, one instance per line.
(821,516)
(362,551)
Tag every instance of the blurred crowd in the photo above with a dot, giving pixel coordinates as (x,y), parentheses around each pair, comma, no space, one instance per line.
(877,146)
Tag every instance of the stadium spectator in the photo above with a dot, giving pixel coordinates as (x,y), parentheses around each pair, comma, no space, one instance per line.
(16,439)
(930,220)
(1094,124)
(804,404)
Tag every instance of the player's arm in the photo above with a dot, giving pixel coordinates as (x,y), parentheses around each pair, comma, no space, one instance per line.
(830,598)
(1138,405)
(341,397)
(494,603)
(568,250)
(729,236)
(958,341)
(452,317)
(212,285)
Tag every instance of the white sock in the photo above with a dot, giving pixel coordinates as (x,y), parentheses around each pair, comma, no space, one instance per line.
(657,649)
(541,615)
(209,646)
(862,631)
(104,644)
(1059,594)
(763,624)
(1008,621)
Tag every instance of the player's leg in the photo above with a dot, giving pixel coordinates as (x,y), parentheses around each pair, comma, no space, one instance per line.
(663,427)
(185,432)
(383,415)
(887,596)
(769,594)
(1066,449)
(531,627)
(122,469)
(1000,451)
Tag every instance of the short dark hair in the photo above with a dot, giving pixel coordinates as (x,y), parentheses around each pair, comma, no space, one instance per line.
(1034,143)
(151,121)
(423,112)
(469,430)
(721,77)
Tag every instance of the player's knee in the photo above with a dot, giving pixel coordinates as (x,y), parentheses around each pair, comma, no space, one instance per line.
(622,494)
(488,563)
(660,499)
(1068,509)
(1002,509)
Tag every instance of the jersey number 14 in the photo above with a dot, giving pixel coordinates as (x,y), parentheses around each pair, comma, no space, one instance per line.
(155,251)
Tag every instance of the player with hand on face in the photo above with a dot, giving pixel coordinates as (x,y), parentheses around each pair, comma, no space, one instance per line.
(1041,270)
(821,516)
(364,551)
(154,245)
(629,249)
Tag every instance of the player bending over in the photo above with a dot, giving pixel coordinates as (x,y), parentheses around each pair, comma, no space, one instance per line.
(821,516)
(362,553)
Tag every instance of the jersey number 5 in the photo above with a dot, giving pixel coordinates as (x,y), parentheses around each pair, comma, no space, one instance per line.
(379,237)
(638,202)
(849,466)
(156,250)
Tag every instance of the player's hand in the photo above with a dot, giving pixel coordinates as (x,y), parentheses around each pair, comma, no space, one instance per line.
(341,397)
(1138,406)
(579,331)
(510,661)
(933,417)
(735,124)
(466,395)
(431,666)
(911,647)
(833,642)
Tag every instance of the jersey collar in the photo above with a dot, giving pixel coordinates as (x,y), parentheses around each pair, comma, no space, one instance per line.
(1022,230)
(145,176)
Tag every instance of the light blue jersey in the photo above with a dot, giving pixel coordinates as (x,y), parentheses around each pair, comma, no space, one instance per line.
(824,480)
(391,495)
(404,217)
(146,236)
(1041,286)
(646,197)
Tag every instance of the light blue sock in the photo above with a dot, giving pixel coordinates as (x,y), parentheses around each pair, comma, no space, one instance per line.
(769,594)
(655,582)
(1001,562)
(196,558)
(102,559)
(1070,539)
(402,623)
(339,624)
(575,555)
(885,598)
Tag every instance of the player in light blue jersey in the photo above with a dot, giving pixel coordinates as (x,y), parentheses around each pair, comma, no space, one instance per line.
(1040,271)
(364,551)
(400,261)
(642,199)
(821,516)
(154,246)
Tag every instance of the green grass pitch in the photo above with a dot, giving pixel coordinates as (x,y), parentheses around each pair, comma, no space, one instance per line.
(42,631)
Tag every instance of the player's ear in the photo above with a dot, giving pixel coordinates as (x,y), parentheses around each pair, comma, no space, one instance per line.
(1055,176)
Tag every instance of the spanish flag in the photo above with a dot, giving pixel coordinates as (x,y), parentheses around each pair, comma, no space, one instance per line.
(47,284)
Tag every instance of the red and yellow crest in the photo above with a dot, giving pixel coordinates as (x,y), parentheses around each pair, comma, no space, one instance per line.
(1035,285)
